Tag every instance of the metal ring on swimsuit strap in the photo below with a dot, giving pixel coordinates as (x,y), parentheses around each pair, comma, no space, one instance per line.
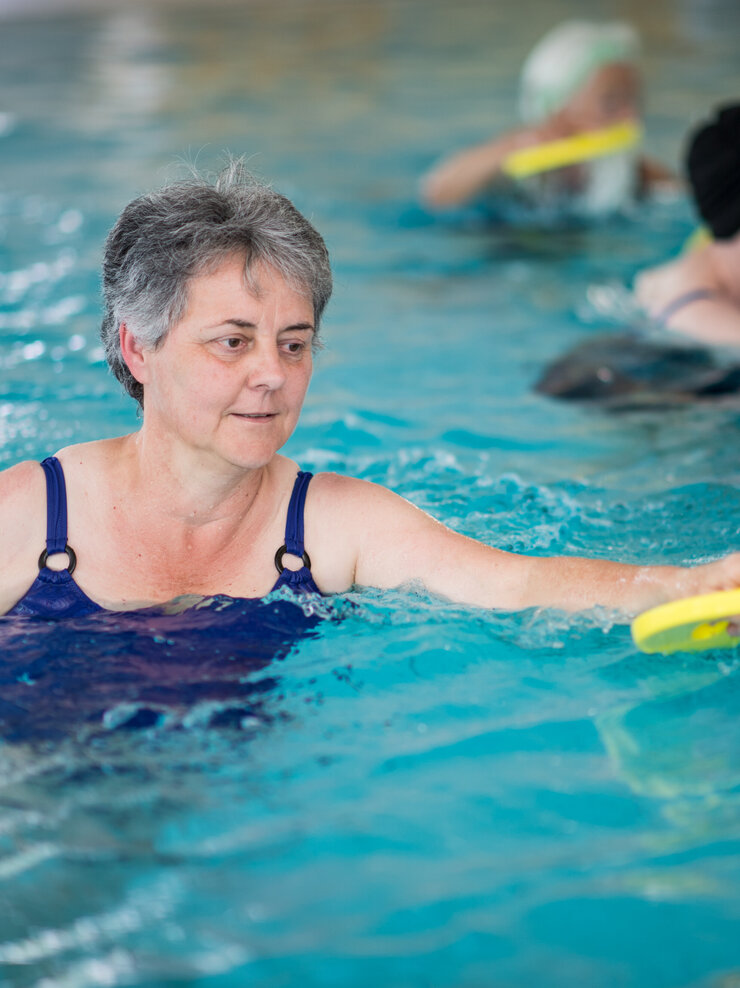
(71,556)
(305,558)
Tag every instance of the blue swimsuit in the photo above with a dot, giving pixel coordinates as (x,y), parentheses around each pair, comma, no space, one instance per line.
(55,594)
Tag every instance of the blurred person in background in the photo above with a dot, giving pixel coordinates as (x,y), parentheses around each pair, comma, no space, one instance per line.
(582,78)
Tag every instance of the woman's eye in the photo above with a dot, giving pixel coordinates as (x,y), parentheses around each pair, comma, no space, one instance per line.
(232,342)
(295,346)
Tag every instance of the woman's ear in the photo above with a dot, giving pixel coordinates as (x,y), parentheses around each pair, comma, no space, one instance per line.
(133,353)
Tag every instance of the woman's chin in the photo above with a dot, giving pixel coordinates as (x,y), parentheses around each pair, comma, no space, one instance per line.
(250,452)
(253,457)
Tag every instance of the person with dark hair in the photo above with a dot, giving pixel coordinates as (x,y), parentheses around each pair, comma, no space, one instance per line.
(213,296)
(698,294)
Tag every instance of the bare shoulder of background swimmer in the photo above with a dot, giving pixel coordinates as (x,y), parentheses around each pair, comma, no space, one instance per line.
(391,543)
(698,293)
(688,296)
(657,287)
(22,528)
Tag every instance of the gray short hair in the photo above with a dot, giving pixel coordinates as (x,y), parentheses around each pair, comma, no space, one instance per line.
(162,240)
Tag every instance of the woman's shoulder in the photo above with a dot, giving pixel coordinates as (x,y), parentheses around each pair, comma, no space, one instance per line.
(23,486)
(24,480)
(94,453)
(21,478)
(22,507)
(357,502)
(337,485)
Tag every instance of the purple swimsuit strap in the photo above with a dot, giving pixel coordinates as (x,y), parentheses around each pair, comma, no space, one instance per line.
(695,295)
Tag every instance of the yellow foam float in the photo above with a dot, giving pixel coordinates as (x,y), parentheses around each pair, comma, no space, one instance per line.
(692,624)
(572,150)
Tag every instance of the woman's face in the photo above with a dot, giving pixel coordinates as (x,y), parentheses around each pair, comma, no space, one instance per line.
(231,376)
(609,96)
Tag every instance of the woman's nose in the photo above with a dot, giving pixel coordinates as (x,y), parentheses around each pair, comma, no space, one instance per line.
(266,368)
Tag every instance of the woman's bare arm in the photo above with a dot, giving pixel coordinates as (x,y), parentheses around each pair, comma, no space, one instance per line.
(395,543)
(460,177)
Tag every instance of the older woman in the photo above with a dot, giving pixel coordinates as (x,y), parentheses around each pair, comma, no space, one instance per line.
(213,301)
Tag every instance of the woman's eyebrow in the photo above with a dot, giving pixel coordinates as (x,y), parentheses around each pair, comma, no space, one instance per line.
(299,325)
(245,324)
(234,321)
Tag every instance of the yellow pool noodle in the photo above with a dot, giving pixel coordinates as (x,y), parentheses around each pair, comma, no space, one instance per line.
(572,150)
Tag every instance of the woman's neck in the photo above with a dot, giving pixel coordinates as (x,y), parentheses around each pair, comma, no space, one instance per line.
(187,485)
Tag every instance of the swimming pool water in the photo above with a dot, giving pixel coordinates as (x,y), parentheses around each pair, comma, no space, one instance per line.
(396,790)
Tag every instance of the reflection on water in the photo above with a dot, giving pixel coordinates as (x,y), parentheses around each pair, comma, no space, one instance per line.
(479,776)
(681,738)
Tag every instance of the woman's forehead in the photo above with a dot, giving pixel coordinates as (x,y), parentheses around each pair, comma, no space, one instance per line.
(239,272)
(232,283)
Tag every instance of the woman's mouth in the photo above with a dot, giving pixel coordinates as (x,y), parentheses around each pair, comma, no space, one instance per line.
(255,416)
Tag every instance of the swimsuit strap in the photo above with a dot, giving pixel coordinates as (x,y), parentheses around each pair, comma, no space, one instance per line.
(56,513)
(294,523)
(695,295)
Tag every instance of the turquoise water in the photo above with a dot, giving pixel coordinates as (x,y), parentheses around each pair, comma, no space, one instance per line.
(402,791)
